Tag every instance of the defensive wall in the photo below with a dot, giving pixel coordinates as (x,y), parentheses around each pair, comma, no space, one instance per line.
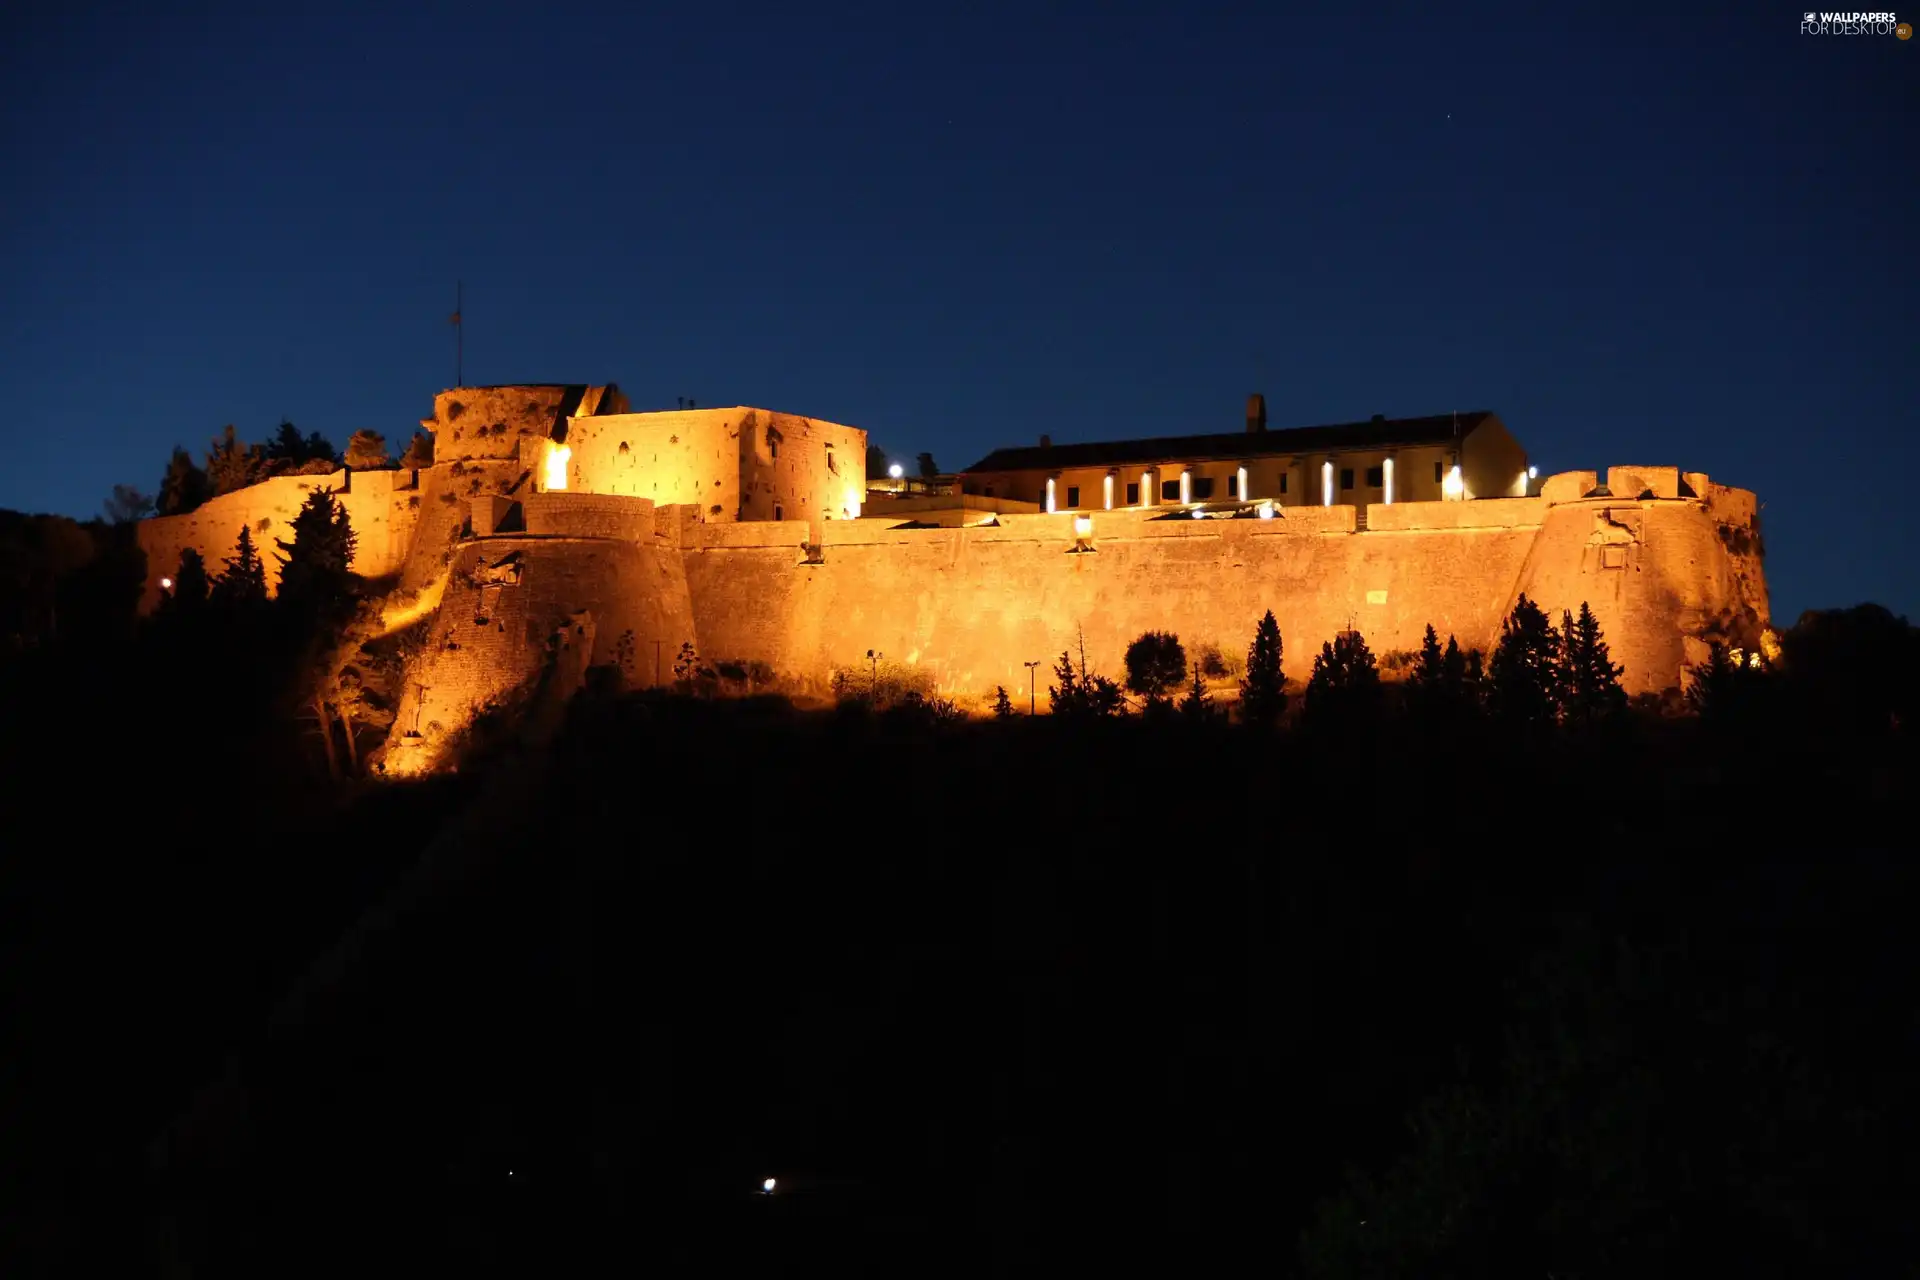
(972,605)
(1668,561)
(383,508)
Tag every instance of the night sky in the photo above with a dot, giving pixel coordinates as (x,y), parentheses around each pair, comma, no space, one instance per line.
(1641,237)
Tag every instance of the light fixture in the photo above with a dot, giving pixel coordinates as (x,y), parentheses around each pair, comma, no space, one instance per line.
(1326,484)
(1049,495)
(1386,469)
(1266,511)
(1109,490)
(896,471)
(1533,473)
(1083,526)
(1244,495)
(766,1188)
(166,584)
(1198,514)
(1186,485)
(557,455)
(1453,486)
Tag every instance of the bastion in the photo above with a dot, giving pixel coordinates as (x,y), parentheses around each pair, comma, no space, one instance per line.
(743,533)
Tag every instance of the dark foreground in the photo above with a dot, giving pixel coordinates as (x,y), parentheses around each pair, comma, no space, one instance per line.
(1000,997)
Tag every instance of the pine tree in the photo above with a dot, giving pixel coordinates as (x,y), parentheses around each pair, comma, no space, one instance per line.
(188,598)
(1345,686)
(1263,693)
(232,464)
(1426,683)
(184,486)
(1197,705)
(243,583)
(1002,704)
(1524,675)
(367,451)
(419,454)
(1590,682)
(315,574)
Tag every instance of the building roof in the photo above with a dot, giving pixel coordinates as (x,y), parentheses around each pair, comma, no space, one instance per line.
(1380,433)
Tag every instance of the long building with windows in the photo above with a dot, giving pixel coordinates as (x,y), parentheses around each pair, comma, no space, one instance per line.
(1447,457)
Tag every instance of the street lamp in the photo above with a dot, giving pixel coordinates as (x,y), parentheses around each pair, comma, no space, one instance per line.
(1033,687)
(896,471)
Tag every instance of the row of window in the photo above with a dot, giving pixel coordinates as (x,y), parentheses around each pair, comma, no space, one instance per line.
(1202,486)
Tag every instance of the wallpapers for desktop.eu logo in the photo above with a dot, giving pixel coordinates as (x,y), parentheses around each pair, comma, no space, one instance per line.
(1854,24)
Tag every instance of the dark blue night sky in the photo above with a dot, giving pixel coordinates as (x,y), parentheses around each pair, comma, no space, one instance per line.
(1686,238)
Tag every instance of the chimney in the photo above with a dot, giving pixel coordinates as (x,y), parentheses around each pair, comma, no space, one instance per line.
(1046,442)
(1256,413)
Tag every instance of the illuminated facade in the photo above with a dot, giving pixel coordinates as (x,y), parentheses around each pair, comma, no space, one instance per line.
(1447,457)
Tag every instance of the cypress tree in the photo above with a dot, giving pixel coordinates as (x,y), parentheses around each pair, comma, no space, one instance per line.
(315,582)
(1524,675)
(1263,693)
(243,583)
(1590,682)
(183,487)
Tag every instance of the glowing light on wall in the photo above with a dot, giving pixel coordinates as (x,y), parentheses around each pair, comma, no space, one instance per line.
(1199,514)
(1244,495)
(1082,533)
(1109,493)
(1386,474)
(1146,488)
(166,584)
(1186,486)
(1049,495)
(1453,486)
(556,470)
(852,509)
(1326,484)
(1266,511)
(1533,473)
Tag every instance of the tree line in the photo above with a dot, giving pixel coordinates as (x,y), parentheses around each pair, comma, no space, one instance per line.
(230,464)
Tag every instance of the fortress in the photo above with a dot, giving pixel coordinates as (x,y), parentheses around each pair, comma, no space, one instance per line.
(556,530)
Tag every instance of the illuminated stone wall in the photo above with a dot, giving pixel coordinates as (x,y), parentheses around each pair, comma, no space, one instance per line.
(383,507)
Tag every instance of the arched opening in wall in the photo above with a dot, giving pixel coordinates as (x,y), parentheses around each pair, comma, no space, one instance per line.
(773,444)
(624,451)
(779,513)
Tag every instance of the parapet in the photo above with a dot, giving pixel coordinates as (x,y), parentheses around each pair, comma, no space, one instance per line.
(1644,482)
(588,515)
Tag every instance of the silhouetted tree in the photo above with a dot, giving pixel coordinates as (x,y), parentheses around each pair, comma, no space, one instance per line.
(1156,664)
(232,464)
(1524,677)
(1854,670)
(183,487)
(1080,693)
(128,505)
(1721,691)
(290,453)
(1263,693)
(188,598)
(367,451)
(315,575)
(1427,680)
(242,585)
(1002,704)
(876,462)
(1344,689)
(419,454)
(1590,691)
(928,467)
(1196,705)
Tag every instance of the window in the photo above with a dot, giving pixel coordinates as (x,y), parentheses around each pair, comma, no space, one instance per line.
(1283,482)
(1233,486)
(1374,478)
(1202,488)
(1436,473)
(1073,497)
(1169,491)
(1346,478)
(987,492)
(773,444)
(831,464)
(1133,495)
(778,513)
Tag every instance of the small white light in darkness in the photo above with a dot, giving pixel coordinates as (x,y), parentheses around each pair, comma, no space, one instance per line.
(166,584)
(767,1187)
